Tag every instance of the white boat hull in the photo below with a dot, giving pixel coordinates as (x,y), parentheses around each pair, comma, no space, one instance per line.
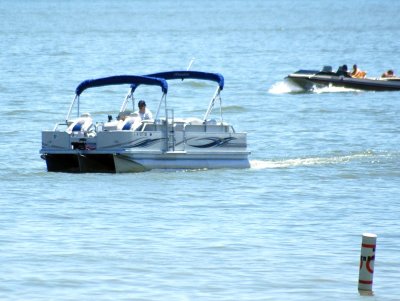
(195,147)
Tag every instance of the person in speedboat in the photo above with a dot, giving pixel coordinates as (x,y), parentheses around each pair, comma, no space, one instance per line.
(357,73)
(143,112)
(389,73)
(342,71)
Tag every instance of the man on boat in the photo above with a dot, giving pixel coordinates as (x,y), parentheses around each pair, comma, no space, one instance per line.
(357,73)
(389,73)
(143,112)
(342,71)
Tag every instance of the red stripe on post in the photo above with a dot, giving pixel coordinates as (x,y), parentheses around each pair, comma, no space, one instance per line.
(368,246)
(365,281)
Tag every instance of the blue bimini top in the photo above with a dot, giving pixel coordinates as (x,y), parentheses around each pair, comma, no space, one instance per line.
(133,80)
(216,77)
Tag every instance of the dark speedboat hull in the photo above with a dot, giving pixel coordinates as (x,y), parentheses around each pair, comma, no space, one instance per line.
(309,79)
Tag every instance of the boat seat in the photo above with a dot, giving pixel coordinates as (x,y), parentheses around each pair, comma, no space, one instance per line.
(148,126)
(111,126)
(131,124)
(81,124)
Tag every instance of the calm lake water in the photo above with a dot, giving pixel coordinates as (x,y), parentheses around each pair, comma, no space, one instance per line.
(325,165)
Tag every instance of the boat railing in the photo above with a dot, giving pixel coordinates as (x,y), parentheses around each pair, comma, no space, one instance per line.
(218,128)
(185,125)
(59,124)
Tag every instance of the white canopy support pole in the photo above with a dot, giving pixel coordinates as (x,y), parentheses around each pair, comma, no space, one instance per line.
(70,107)
(125,103)
(211,105)
(133,103)
(220,108)
(163,98)
(190,64)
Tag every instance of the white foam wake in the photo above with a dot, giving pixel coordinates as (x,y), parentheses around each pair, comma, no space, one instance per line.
(332,89)
(287,163)
(284,87)
(287,86)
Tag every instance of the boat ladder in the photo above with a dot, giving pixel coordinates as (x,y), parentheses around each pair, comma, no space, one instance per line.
(170,130)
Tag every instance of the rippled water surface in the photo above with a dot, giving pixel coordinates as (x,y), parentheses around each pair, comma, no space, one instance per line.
(325,166)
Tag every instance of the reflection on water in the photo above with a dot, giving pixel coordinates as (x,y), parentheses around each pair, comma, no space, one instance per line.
(365,293)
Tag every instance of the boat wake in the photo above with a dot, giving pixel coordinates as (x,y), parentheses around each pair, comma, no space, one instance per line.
(333,89)
(286,87)
(312,161)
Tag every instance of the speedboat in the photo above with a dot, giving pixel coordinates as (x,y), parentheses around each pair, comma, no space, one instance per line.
(129,144)
(311,79)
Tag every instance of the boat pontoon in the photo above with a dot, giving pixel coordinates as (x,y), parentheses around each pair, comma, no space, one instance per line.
(311,79)
(129,144)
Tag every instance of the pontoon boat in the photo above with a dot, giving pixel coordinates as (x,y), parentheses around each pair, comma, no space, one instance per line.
(129,144)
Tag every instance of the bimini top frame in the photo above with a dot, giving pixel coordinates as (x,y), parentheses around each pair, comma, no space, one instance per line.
(186,74)
(133,80)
